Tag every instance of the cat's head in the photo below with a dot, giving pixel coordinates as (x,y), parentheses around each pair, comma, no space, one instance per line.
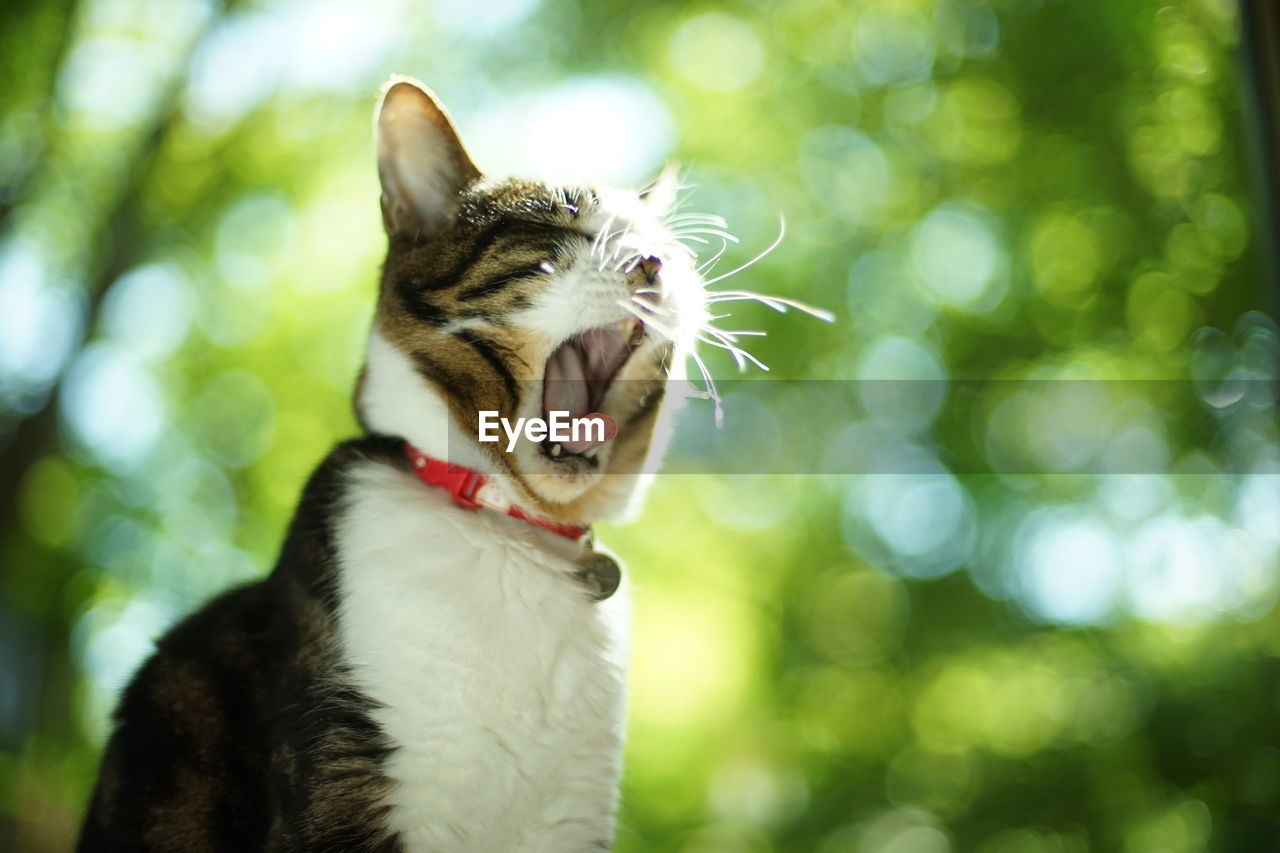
(521,298)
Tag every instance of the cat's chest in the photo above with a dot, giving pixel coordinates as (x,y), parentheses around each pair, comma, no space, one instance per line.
(498,683)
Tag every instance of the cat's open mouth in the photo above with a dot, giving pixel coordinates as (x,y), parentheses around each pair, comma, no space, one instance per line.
(577,377)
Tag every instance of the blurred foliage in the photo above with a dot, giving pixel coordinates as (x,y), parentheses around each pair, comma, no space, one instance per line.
(1041,658)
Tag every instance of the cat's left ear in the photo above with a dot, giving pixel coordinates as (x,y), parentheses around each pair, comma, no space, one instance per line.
(660,194)
(421,161)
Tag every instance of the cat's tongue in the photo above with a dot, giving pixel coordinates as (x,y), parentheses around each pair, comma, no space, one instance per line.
(610,430)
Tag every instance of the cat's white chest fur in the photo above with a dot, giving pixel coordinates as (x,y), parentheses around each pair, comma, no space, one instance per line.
(500,685)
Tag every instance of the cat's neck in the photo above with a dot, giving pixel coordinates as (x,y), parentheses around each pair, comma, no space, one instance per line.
(395,399)
(436,514)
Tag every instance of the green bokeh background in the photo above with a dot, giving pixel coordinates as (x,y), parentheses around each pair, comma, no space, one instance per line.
(1050,655)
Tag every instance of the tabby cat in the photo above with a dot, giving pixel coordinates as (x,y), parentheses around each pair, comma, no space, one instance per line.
(435,663)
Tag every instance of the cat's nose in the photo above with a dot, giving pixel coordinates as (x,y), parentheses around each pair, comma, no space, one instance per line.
(644,272)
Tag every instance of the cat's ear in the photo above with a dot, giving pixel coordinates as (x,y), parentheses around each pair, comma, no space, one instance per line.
(421,161)
(660,194)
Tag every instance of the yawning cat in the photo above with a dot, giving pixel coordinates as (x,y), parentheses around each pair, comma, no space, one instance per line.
(436,663)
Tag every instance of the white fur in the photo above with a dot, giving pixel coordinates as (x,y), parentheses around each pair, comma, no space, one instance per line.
(396,400)
(499,683)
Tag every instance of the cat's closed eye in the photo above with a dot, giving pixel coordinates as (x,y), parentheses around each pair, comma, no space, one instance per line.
(495,284)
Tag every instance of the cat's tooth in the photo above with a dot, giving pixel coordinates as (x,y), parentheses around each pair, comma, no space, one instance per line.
(555,451)
(591,454)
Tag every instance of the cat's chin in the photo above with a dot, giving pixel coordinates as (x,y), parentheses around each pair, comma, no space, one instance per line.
(578,491)
(584,480)
(562,482)
(584,487)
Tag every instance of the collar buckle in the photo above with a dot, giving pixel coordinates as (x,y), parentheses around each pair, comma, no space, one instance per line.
(465,485)
(491,496)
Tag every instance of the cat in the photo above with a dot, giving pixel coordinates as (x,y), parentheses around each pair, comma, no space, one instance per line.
(436,662)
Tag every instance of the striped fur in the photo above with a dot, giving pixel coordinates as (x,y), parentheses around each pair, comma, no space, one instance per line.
(479,289)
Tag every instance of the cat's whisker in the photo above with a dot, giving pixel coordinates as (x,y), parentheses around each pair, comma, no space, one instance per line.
(619,259)
(609,249)
(777,303)
(654,308)
(733,351)
(700,218)
(690,224)
(606,257)
(651,307)
(712,232)
(683,227)
(615,249)
(738,333)
(702,239)
(728,339)
(620,251)
(740,355)
(602,236)
(782,232)
(711,392)
(694,214)
(628,261)
(647,317)
(711,262)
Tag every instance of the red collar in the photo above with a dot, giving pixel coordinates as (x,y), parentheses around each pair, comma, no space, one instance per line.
(472,490)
